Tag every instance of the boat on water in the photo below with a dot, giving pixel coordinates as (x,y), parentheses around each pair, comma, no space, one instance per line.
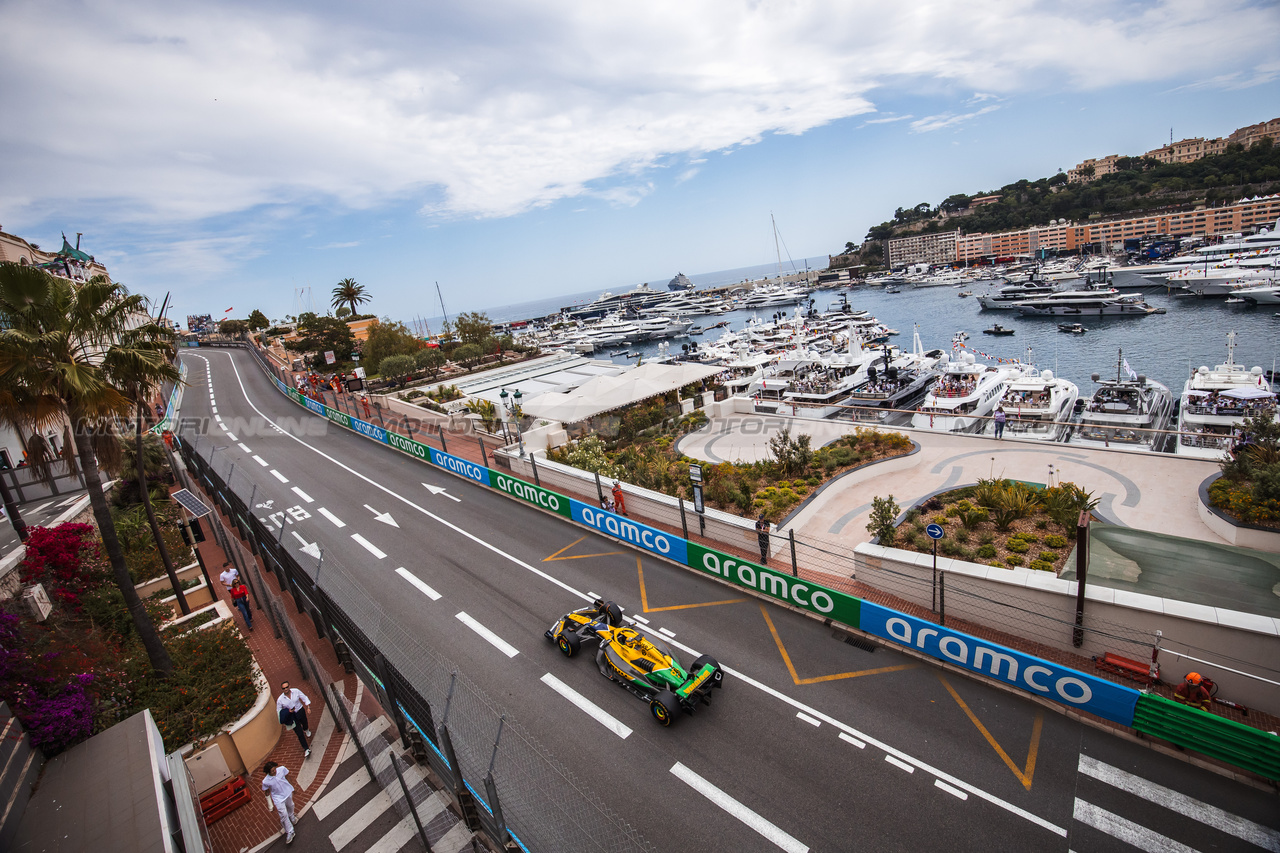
(1215,403)
(1072,328)
(1261,294)
(893,289)
(1106,303)
(1037,405)
(1007,297)
(963,395)
(1130,411)
(894,382)
(962,294)
(680,282)
(997,329)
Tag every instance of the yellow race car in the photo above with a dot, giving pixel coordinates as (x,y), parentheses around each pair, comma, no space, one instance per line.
(639,660)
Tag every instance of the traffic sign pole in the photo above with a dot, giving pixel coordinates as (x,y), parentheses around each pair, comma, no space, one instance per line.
(936,532)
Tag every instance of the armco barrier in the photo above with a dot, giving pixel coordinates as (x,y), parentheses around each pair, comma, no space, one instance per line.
(1209,734)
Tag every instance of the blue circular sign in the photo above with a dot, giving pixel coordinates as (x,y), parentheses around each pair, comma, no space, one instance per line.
(935,531)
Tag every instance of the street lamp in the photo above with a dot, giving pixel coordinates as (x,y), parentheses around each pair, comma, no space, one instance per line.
(511,403)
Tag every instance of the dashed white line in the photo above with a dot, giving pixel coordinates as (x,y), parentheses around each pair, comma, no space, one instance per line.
(641,620)
(668,633)
(901,765)
(853,740)
(215,410)
(801,715)
(422,587)
(591,709)
(337,522)
(281,477)
(368,546)
(738,810)
(306,497)
(245,447)
(261,461)
(950,789)
(497,642)
(230,437)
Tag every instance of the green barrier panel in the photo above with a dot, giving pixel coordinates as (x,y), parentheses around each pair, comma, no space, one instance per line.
(1209,734)
(535,495)
(339,418)
(815,598)
(408,445)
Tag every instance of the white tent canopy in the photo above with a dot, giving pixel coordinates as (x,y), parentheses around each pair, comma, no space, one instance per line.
(1247,393)
(606,393)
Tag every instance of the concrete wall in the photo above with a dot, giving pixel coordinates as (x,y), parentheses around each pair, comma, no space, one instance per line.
(246,743)
(1040,606)
(1257,538)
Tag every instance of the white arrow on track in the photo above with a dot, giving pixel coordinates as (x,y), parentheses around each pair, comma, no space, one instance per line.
(384,517)
(309,548)
(436,490)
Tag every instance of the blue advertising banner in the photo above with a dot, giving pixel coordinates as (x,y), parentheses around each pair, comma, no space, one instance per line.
(318,408)
(1035,675)
(368,430)
(621,527)
(470,470)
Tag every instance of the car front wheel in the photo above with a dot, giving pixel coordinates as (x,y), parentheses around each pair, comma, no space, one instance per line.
(569,644)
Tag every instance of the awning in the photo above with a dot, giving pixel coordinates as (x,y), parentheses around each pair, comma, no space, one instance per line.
(607,393)
(1249,393)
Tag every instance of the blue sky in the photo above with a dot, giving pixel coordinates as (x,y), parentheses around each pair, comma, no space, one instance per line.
(230,152)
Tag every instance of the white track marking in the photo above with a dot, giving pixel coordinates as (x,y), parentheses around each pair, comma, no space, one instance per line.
(950,789)
(437,490)
(422,587)
(384,517)
(245,447)
(309,548)
(853,740)
(738,810)
(306,497)
(337,522)
(41,507)
(571,590)
(498,643)
(810,720)
(281,477)
(215,410)
(1242,828)
(668,633)
(901,765)
(1127,831)
(591,709)
(641,620)
(230,437)
(368,546)
(264,463)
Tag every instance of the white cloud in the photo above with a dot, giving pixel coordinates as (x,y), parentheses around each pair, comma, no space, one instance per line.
(889,119)
(169,112)
(347,245)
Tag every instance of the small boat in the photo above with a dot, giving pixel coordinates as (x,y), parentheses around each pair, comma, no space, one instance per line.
(961,335)
(1234,300)
(965,293)
(1072,328)
(997,329)
(893,290)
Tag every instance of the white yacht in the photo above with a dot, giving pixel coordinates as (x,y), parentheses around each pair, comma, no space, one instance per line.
(1226,277)
(962,396)
(803,384)
(1090,303)
(893,382)
(1130,412)
(1260,294)
(1216,402)
(1037,405)
(1010,295)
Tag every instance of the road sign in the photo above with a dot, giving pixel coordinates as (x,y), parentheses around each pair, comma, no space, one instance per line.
(935,531)
(695,474)
(697,499)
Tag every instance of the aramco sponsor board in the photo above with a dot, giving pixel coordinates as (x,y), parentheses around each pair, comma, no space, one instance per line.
(805,594)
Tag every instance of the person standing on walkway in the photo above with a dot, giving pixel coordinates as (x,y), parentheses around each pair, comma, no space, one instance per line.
(762,535)
(292,706)
(280,797)
(229,576)
(240,598)
(1000,419)
(619,502)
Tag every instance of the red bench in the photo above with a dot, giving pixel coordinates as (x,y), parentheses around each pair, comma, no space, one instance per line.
(225,799)
(1124,667)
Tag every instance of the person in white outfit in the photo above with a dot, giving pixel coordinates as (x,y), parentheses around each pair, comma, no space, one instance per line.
(230,574)
(280,797)
(295,702)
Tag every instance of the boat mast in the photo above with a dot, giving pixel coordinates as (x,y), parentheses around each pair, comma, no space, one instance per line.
(441,298)
(777,251)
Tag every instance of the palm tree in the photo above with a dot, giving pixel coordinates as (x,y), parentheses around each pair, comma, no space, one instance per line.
(63,342)
(350,294)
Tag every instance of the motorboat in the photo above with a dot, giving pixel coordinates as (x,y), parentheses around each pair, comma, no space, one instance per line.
(1072,328)
(1037,405)
(893,383)
(1262,294)
(962,294)
(997,329)
(1130,411)
(963,395)
(1010,295)
(1087,303)
(1215,403)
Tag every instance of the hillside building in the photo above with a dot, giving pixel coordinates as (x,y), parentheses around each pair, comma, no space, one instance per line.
(1183,151)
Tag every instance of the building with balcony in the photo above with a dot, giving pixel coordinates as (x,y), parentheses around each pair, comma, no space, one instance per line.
(937,248)
(1183,151)
(68,262)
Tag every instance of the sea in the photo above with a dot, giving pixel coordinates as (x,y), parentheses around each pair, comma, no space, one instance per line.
(1164,347)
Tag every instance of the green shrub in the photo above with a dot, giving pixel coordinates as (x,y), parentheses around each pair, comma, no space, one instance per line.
(949,547)
(973,516)
(962,536)
(884,512)
(1048,556)
(1041,524)
(1041,566)
(1017,546)
(987,552)
(1029,538)
(952,511)
(1014,561)
(912,516)
(987,538)
(1053,540)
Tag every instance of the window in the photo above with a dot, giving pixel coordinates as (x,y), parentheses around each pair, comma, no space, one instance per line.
(5,464)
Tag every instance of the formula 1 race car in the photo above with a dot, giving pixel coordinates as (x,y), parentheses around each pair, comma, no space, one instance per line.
(638,660)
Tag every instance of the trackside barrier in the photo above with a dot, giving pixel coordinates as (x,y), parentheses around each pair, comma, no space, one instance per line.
(1206,733)
(1236,743)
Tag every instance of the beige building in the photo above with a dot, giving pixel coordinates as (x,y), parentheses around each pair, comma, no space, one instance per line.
(1183,151)
(67,262)
(937,248)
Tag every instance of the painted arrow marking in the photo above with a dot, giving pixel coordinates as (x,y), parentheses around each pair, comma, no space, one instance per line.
(384,517)
(436,490)
(309,548)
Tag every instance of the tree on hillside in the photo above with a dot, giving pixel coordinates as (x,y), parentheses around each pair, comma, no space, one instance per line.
(233,327)
(68,344)
(318,334)
(473,327)
(431,360)
(258,320)
(397,366)
(349,293)
(387,338)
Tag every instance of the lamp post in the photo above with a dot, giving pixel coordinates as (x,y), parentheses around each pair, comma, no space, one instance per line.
(511,403)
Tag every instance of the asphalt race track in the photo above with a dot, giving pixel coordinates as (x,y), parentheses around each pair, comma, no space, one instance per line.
(813,744)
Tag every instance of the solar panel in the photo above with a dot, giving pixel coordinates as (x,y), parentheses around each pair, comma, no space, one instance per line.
(191,503)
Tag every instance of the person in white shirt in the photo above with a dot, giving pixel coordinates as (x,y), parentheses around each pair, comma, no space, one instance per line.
(230,574)
(292,706)
(280,797)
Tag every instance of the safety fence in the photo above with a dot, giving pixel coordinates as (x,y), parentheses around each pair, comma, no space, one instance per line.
(1035,675)
(500,779)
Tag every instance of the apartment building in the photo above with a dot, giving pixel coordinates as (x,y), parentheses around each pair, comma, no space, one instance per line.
(1183,151)
(937,248)
(68,262)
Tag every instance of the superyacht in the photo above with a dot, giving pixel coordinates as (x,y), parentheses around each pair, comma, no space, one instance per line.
(1037,405)
(1216,402)
(963,395)
(1130,411)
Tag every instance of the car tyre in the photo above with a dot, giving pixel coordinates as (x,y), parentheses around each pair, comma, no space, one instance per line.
(664,707)
(717,678)
(568,643)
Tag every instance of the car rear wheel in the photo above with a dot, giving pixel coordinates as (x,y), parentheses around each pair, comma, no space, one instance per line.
(568,643)
(703,660)
(664,707)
